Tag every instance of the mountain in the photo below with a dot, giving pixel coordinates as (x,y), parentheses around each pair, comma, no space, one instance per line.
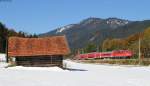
(96,30)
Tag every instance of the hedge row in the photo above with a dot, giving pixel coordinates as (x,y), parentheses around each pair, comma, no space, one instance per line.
(118,61)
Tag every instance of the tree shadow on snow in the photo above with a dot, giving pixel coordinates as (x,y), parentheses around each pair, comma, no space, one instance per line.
(72,69)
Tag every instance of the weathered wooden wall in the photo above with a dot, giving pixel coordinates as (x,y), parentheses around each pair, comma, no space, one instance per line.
(41,61)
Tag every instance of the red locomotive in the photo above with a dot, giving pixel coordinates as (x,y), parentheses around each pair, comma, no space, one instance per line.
(101,55)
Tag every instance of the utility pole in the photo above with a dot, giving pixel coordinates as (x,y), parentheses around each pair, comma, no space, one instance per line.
(6,49)
(82,51)
(97,49)
(139,50)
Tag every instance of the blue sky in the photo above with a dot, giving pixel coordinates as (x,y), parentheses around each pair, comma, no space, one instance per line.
(39,16)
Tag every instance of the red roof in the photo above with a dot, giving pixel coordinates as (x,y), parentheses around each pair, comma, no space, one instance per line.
(55,45)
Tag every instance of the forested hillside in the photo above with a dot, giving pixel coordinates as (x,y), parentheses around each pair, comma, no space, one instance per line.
(134,42)
(6,32)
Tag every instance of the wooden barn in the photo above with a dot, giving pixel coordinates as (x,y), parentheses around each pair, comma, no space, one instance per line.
(48,51)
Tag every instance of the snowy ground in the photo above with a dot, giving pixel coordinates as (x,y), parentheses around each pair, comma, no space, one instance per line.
(2,57)
(79,75)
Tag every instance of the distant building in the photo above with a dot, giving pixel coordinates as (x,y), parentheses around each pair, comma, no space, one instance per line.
(48,51)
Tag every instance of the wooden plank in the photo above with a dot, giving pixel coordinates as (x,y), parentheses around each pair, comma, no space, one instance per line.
(40,61)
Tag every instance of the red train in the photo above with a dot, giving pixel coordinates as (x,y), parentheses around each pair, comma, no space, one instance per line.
(101,55)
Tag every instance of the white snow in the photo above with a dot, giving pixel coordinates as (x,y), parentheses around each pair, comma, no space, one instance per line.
(93,38)
(61,29)
(36,68)
(3,60)
(118,22)
(2,57)
(80,75)
(3,64)
(64,28)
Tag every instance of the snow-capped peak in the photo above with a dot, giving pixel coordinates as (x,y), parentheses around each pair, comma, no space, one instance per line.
(64,28)
(119,22)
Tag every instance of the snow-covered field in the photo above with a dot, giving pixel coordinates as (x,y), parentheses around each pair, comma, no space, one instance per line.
(2,57)
(78,75)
